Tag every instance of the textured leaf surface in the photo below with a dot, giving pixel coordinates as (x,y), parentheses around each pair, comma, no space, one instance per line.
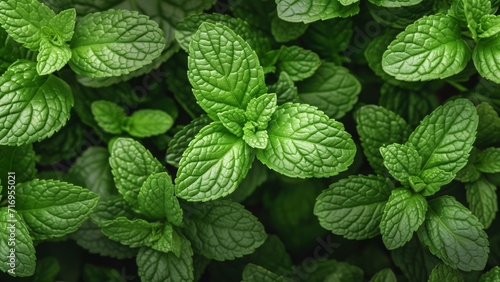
(157,266)
(213,166)
(304,142)
(445,137)
(52,208)
(333,89)
(93,169)
(442,272)
(147,123)
(233,120)
(401,161)
(415,260)
(24,262)
(488,161)
(430,48)
(223,230)
(307,11)
(133,233)
(488,130)
(483,201)
(261,109)
(284,31)
(486,57)
(454,234)
(23,20)
(108,115)
(32,107)
(378,127)
(353,207)
(491,276)
(51,57)
(490,26)
(297,62)
(223,69)
(131,164)
(19,159)
(395,3)
(114,43)
(403,214)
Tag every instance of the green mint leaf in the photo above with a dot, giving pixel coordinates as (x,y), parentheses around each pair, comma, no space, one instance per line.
(23,20)
(52,208)
(482,199)
(108,115)
(415,260)
(93,169)
(491,276)
(183,137)
(157,266)
(469,173)
(485,55)
(378,127)
(147,123)
(256,139)
(454,234)
(430,48)
(375,50)
(157,200)
(114,43)
(488,161)
(435,178)
(353,207)
(223,69)
(51,57)
(285,89)
(223,230)
(442,272)
(131,164)
(304,142)
(261,109)
(90,237)
(332,89)
(18,159)
(64,24)
(256,273)
(488,130)
(33,107)
(213,165)
(233,120)
(110,209)
(284,31)
(403,214)
(321,40)
(401,161)
(474,10)
(384,275)
(297,62)
(489,26)
(445,137)
(395,3)
(23,262)
(307,11)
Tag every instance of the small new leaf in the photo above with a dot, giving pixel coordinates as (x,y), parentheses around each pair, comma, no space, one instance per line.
(147,123)
(233,120)
(261,109)
(108,115)
(297,62)
(401,161)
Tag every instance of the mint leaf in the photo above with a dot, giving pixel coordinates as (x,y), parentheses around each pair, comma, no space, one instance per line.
(414,260)
(307,11)
(157,266)
(491,276)
(430,48)
(51,57)
(489,26)
(19,159)
(108,115)
(353,207)
(378,127)
(332,89)
(401,161)
(223,69)
(482,199)
(261,109)
(51,208)
(131,164)
(488,161)
(304,142)
(488,130)
(33,107)
(23,263)
(384,275)
(110,209)
(284,31)
(454,234)
(435,178)
(321,40)
(297,62)
(485,55)
(255,139)
(23,20)
(157,200)
(92,168)
(147,123)
(285,89)
(114,43)
(183,137)
(403,214)
(223,230)
(445,137)
(64,25)
(395,3)
(214,164)
(442,272)
(256,273)
(233,120)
